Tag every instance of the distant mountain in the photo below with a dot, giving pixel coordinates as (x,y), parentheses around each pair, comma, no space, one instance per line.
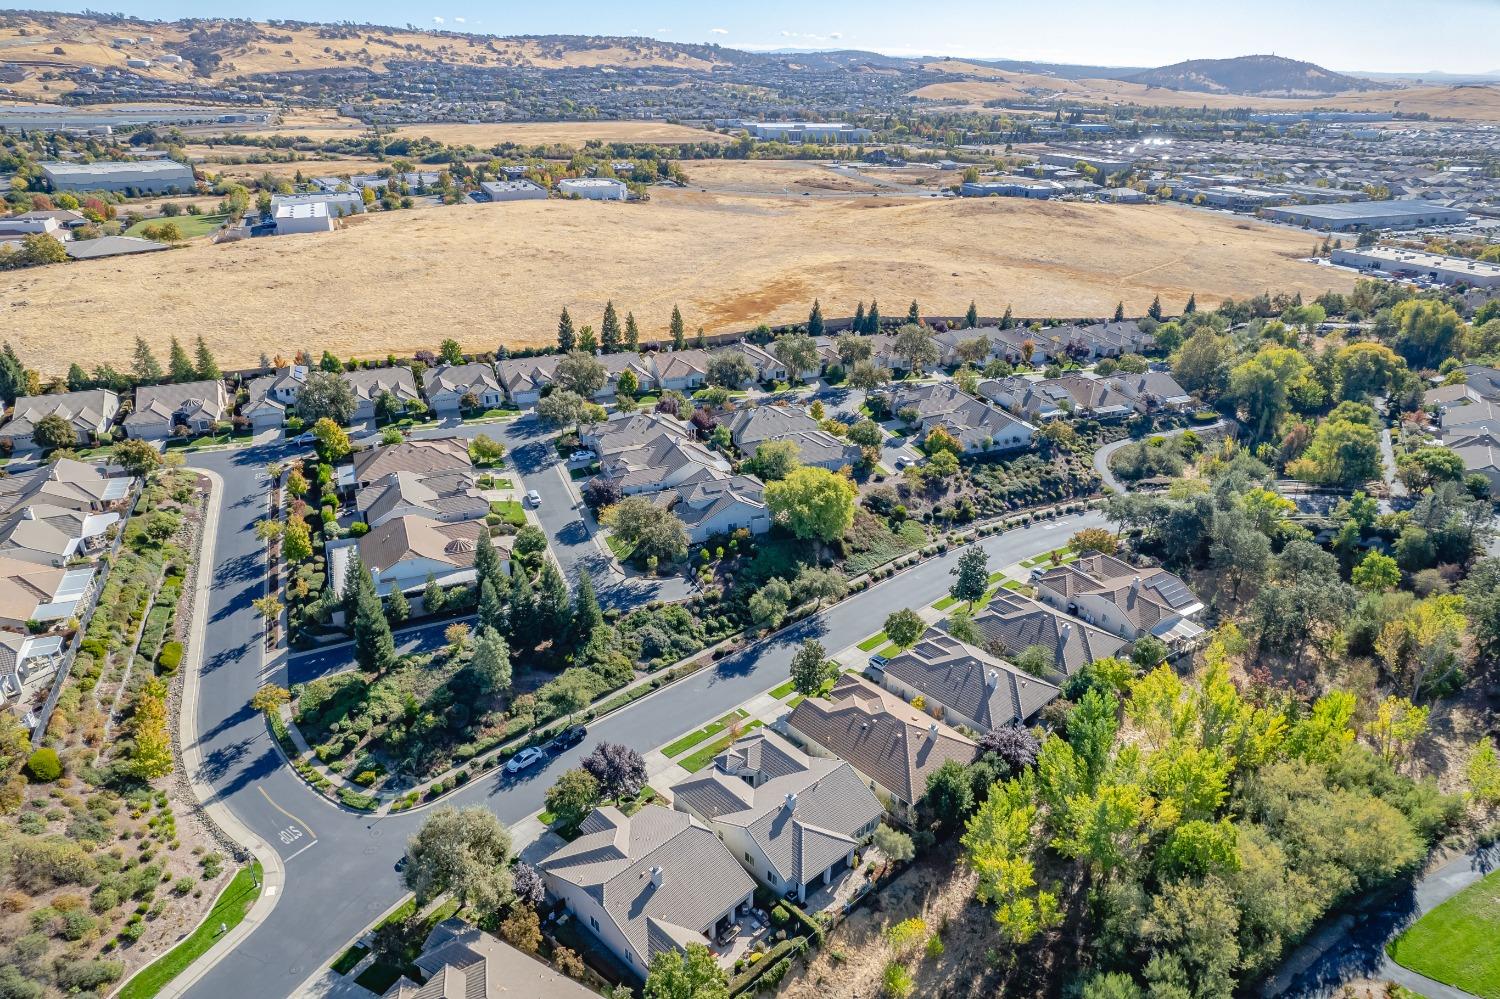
(1255,76)
(1063,71)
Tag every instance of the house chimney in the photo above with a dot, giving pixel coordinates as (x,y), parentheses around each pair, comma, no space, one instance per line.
(991,679)
(1067,629)
(657,876)
(791,801)
(932,730)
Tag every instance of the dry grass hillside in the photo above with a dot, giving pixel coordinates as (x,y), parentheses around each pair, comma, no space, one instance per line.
(1479,102)
(486,274)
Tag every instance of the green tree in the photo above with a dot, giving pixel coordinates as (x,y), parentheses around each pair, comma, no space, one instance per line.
(54,431)
(580,373)
(852,348)
(811,668)
(450,351)
(815,320)
(1427,331)
(676,329)
(464,853)
(650,530)
(1265,385)
(971,318)
(813,503)
(1377,573)
(997,842)
(904,627)
(179,364)
(915,346)
(397,608)
(374,646)
(332,441)
(949,796)
(729,369)
(1343,452)
(868,376)
(1201,364)
(563,408)
(609,329)
(798,353)
(768,605)
(632,333)
(135,456)
(490,662)
(554,605)
(567,340)
(1426,467)
(205,366)
(326,394)
(146,367)
(269,698)
(914,313)
(572,798)
(895,844)
(691,973)
(820,584)
(1483,772)
(971,575)
(774,460)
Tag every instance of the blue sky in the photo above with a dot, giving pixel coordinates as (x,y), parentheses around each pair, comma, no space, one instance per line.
(1456,36)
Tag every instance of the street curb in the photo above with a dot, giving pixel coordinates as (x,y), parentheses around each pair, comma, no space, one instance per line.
(273,874)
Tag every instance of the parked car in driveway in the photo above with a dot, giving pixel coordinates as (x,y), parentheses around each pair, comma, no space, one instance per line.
(533,497)
(524,760)
(878,661)
(581,456)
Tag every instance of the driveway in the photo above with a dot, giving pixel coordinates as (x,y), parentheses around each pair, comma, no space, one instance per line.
(1102,456)
(340,865)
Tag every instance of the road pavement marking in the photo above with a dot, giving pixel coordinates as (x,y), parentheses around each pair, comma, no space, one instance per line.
(291,833)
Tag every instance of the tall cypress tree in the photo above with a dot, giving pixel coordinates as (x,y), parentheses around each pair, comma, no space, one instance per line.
(586,613)
(12,375)
(566,339)
(1120,312)
(971,318)
(872,318)
(207,367)
(554,605)
(913,313)
(146,367)
(632,333)
(1155,310)
(859,318)
(374,646)
(1192,305)
(522,631)
(491,609)
(179,365)
(815,319)
(609,330)
(1007,321)
(677,329)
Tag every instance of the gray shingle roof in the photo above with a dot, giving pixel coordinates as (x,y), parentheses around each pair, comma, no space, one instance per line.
(1019,623)
(1149,597)
(970,681)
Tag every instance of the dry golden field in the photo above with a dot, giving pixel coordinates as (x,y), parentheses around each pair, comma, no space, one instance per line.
(572,133)
(486,274)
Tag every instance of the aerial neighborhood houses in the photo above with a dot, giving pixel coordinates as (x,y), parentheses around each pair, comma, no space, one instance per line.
(977,426)
(160,410)
(55,520)
(1125,600)
(1469,420)
(91,414)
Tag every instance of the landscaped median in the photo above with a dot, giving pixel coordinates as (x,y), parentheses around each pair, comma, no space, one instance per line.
(1455,943)
(228,912)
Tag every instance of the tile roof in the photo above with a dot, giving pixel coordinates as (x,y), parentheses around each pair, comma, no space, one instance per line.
(459,379)
(970,681)
(614,858)
(461,961)
(24,586)
(371,383)
(1018,623)
(881,735)
(703,500)
(87,410)
(160,403)
(803,812)
(660,458)
(626,431)
(425,456)
(1149,597)
(451,495)
(528,374)
(415,536)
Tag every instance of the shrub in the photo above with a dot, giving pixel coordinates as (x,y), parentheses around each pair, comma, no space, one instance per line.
(170,657)
(44,767)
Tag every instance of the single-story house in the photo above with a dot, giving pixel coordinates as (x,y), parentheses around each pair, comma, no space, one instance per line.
(964,685)
(369,384)
(754,425)
(680,370)
(525,377)
(461,960)
(647,883)
(403,551)
(448,384)
(27,664)
(1016,623)
(422,455)
(1152,390)
(46,593)
(719,506)
(1129,601)
(91,412)
(272,396)
(976,425)
(891,745)
(445,497)
(161,409)
(794,821)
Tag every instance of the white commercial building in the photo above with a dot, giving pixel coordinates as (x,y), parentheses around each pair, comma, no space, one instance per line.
(594,188)
(339,203)
(132,176)
(305,217)
(1360,215)
(513,190)
(1395,262)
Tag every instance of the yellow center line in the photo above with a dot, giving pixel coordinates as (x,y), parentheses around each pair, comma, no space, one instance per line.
(288,814)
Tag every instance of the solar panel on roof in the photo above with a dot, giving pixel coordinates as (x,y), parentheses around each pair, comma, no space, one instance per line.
(1173,591)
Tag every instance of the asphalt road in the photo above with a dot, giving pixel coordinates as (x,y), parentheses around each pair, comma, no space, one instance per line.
(339,864)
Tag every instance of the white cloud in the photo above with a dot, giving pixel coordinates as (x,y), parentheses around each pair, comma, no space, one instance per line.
(459,20)
(437,20)
(788,34)
(718,31)
(835,34)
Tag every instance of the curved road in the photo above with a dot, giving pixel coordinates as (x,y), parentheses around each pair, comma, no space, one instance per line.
(1102,456)
(339,865)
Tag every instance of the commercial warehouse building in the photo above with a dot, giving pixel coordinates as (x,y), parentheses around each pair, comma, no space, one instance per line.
(1395,262)
(594,188)
(132,176)
(1360,215)
(828,132)
(308,217)
(513,190)
(1010,187)
(339,202)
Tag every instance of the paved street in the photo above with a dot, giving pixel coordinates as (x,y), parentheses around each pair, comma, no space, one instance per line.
(340,865)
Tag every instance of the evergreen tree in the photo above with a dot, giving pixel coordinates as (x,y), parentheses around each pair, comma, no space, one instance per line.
(1155,310)
(587,342)
(491,607)
(205,366)
(487,563)
(523,632)
(859,318)
(872,318)
(146,367)
(1192,305)
(357,582)
(432,596)
(971,318)
(78,379)
(609,330)
(586,613)
(815,319)
(554,605)
(179,364)
(490,663)
(374,647)
(397,608)
(1007,321)
(913,313)
(1120,312)
(701,340)
(632,333)
(677,338)
(566,339)
(12,375)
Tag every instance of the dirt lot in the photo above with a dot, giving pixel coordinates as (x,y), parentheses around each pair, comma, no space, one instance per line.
(487,273)
(771,177)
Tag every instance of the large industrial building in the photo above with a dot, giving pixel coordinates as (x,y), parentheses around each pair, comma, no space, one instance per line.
(129,176)
(826,132)
(305,217)
(513,190)
(595,188)
(1394,262)
(1360,215)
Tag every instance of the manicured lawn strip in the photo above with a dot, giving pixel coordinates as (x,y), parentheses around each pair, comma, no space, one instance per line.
(703,757)
(783,690)
(796,701)
(693,738)
(230,910)
(891,651)
(509,511)
(622,548)
(945,603)
(873,642)
(378,977)
(1455,943)
(349,958)
(190,226)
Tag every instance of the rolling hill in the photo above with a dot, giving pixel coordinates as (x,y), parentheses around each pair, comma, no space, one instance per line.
(1253,75)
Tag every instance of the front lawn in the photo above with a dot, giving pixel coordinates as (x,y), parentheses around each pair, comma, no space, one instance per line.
(509,511)
(703,757)
(873,642)
(783,690)
(229,911)
(692,739)
(1455,943)
(622,549)
(191,226)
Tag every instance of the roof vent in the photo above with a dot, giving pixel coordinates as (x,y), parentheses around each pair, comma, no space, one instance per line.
(658,876)
(932,730)
(991,679)
(1067,629)
(791,801)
